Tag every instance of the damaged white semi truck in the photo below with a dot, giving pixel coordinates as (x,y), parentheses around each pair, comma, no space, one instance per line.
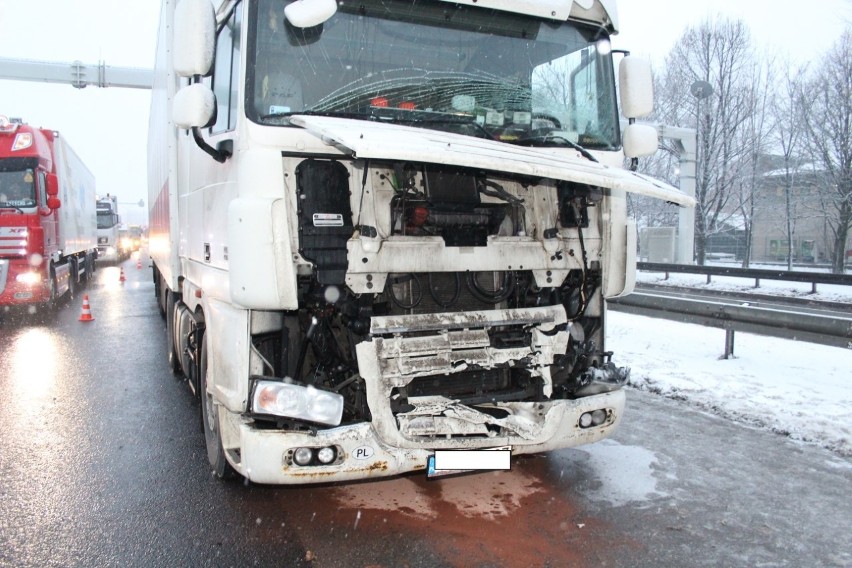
(387,228)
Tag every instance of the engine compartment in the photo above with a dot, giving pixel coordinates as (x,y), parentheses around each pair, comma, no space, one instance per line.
(351,216)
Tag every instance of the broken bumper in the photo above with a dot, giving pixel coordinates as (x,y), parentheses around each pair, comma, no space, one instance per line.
(364,454)
(404,348)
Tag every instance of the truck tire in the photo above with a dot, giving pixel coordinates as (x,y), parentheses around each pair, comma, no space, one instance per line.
(210,423)
(171,313)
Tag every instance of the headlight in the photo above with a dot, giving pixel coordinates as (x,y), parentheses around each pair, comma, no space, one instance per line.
(296,401)
(110,251)
(28,278)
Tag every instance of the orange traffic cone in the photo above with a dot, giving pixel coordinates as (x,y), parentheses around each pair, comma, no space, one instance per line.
(121,277)
(139,263)
(86,314)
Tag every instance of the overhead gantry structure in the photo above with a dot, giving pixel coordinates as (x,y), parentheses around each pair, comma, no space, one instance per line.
(76,73)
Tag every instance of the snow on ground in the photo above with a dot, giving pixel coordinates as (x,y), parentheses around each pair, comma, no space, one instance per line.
(799,389)
(825,292)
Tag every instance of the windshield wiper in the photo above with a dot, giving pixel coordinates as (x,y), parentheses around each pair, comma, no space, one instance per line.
(549,139)
(9,206)
(418,121)
(290,113)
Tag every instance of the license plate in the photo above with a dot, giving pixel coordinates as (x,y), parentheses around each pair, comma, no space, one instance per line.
(450,462)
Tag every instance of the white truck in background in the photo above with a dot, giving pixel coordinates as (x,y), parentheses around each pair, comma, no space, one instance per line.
(385,229)
(110,247)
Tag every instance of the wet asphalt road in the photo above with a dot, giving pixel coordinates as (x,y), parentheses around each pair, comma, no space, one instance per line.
(102,464)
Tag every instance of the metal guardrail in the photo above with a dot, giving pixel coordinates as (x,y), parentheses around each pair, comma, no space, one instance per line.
(823,325)
(757,274)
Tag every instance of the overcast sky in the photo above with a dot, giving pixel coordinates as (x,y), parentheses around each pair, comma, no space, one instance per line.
(108,127)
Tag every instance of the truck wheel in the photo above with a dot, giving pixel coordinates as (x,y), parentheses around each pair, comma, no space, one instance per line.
(210,423)
(171,313)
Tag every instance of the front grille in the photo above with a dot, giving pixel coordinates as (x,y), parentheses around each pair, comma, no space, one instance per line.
(464,383)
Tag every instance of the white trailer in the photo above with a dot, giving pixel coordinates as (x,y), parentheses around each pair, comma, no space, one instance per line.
(388,228)
(77,223)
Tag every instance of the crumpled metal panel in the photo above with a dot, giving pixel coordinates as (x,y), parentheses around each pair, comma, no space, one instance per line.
(437,415)
(388,363)
(413,346)
(413,426)
(545,318)
(395,142)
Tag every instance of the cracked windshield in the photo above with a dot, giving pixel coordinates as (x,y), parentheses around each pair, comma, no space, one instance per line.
(466,70)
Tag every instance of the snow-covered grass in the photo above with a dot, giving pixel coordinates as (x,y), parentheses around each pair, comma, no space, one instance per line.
(825,292)
(798,389)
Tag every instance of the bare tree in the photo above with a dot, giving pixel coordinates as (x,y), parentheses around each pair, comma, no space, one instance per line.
(719,52)
(758,124)
(788,133)
(826,101)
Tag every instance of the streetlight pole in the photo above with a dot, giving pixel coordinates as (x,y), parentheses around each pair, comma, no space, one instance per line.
(700,90)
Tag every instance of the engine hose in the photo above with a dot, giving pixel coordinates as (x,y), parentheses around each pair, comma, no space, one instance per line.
(396,300)
(490,297)
(452,300)
(581,308)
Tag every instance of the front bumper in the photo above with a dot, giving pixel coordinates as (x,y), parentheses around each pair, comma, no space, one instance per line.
(263,455)
(401,437)
(15,293)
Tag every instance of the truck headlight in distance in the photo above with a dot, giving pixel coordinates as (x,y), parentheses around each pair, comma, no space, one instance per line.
(296,401)
(28,278)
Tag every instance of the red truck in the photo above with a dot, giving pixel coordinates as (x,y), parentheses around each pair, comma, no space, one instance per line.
(48,228)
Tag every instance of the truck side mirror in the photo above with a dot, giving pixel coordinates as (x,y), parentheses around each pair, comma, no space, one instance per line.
(195,37)
(52,188)
(194,106)
(636,84)
(309,13)
(639,140)
(53,203)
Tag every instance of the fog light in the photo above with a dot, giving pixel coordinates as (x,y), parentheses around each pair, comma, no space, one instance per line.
(326,455)
(598,417)
(302,456)
(585,420)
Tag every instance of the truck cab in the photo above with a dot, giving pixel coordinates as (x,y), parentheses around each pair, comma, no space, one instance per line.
(109,223)
(389,228)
